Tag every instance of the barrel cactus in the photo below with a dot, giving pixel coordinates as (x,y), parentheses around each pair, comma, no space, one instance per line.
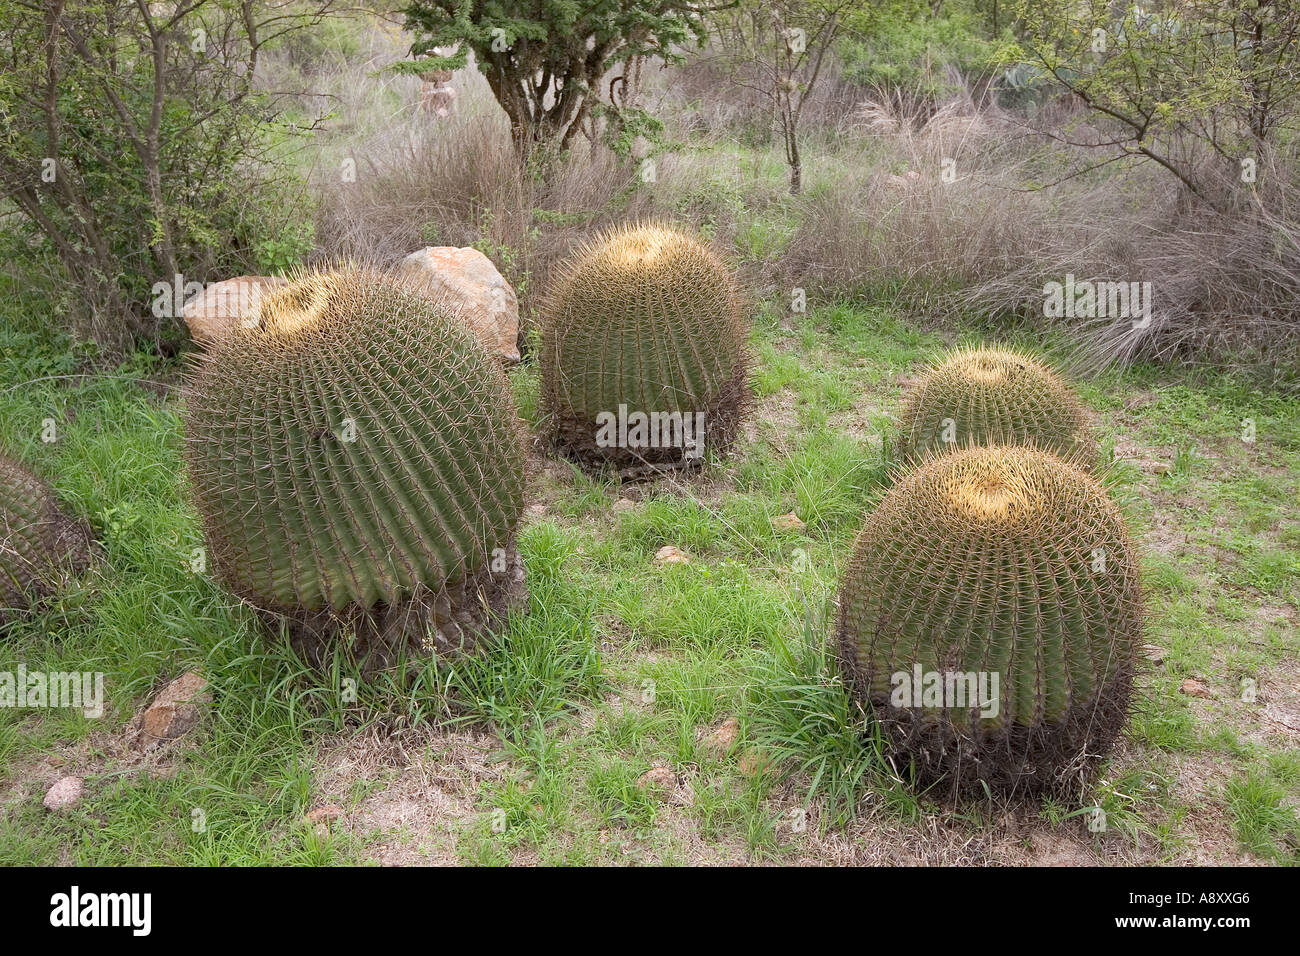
(984,396)
(39,544)
(356,463)
(990,616)
(643,351)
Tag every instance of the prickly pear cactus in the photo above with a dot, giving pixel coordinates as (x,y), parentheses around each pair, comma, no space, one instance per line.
(990,616)
(353,448)
(985,396)
(39,544)
(643,351)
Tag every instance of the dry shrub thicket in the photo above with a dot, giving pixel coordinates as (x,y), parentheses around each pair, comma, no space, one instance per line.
(878,215)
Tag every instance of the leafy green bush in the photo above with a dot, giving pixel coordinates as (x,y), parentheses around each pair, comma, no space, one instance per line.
(922,56)
(132,170)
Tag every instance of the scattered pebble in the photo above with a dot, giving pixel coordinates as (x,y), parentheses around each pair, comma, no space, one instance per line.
(325,814)
(65,794)
(174,712)
(722,738)
(670,554)
(753,763)
(788,522)
(661,778)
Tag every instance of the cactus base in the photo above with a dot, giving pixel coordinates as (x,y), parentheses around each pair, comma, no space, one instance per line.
(575,438)
(1059,759)
(461,618)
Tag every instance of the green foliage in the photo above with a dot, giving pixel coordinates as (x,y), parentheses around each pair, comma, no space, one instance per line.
(570,46)
(1008,563)
(1156,74)
(914,51)
(1266,822)
(355,445)
(281,253)
(804,723)
(131,168)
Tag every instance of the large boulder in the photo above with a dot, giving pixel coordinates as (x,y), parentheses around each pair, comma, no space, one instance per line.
(467,280)
(221,306)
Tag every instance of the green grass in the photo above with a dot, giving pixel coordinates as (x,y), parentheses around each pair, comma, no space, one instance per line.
(622,665)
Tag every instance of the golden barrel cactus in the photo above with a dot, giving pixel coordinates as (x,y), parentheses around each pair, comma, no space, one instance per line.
(40,545)
(990,616)
(643,351)
(353,449)
(988,396)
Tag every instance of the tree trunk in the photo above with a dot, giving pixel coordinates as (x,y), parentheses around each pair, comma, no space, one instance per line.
(792,156)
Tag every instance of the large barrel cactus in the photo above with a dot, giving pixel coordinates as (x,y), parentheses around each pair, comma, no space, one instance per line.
(356,462)
(643,351)
(990,616)
(39,544)
(985,396)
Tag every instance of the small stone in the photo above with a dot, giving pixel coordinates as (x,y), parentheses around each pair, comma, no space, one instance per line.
(670,554)
(65,794)
(788,522)
(174,712)
(658,778)
(326,814)
(1154,653)
(753,763)
(722,738)
(1194,687)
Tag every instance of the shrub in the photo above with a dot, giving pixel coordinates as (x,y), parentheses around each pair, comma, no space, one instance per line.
(133,143)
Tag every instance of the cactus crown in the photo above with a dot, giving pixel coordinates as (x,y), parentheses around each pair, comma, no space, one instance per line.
(998,560)
(352,444)
(38,542)
(982,396)
(647,318)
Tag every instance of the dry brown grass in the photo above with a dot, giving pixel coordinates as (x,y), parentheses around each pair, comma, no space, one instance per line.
(959,208)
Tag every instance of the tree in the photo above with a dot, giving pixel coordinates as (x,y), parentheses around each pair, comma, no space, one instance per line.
(545,59)
(778,49)
(1176,80)
(132,138)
